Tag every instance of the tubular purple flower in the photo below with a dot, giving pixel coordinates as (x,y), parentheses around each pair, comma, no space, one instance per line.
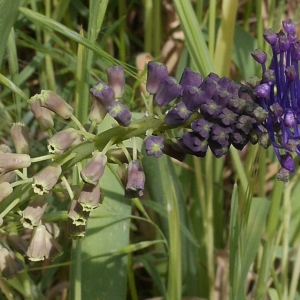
(136,177)
(98,112)
(270,37)
(120,113)
(288,26)
(42,114)
(94,170)
(260,56)
(33,213)
(37,250)
(191,97)
(287,162)
(13,161)
(168,90)
(46,179)
(156,72)
(190,77)
(262,90)
(103,93)
(20,136)
(56,104)
(62,140)
(177,115)
(90,197)
(116,79)
(202,127)
(77,214)
(154,145)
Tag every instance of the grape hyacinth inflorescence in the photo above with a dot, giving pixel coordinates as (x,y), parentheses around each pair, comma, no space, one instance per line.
(278,92)
(187,116)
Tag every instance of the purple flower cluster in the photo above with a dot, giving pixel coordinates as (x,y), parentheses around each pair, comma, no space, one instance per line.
(217,111)
(278,92)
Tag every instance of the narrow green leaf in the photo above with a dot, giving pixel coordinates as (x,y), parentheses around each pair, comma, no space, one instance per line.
(9,11)
(194,37)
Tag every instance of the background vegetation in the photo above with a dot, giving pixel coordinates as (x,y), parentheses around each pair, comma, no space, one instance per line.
(233,232)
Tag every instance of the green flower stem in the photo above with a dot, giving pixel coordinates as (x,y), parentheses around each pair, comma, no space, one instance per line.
(42,158)
(68,188)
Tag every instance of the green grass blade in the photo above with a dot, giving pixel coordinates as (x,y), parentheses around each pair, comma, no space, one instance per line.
(9,11)
(160,181)
(194,37)
(224,45)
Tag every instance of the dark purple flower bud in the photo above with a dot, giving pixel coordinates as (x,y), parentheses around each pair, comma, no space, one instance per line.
(253,81)
(209,86)
(62,141)
(177,115)
(233,89)
(56,104)
(202,127)
(276,109)
(43,115)
(270,36)
(94,170)
(210,109)
(104,93)
(292,36)
(156,72)
(136,177)
(217,149)
(269,77)
(221,97)
(193,143)
(259,55)
(116,79)
(10,266)
(120,113)
(190,77)
(246,92)
(168,90)
(154,145)
(284,43)
(245,123)
(287,162)
(224,83)
(171,149)
(289,119)
(191,97)
(228,117)
(290,73)
(288,26)
(90,197)
(237,105)
(260,114)
(263,90)
(239,139)
(20,136)
(253,137)
(221,134)
(264,140)
(33,213)
(214,76)
(295,50)
(283,175)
